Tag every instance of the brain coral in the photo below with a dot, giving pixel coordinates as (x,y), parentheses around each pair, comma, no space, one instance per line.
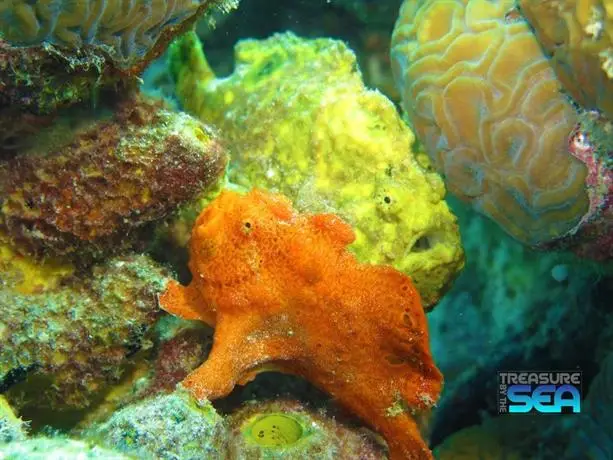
(126,29)
(329,144)
(110,178)
(578,35)
(485,101)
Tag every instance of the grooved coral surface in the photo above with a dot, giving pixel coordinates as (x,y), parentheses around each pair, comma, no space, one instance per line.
(299,121)
(578,35)
(126,29)
(111,178)
(284,293)
(485,101)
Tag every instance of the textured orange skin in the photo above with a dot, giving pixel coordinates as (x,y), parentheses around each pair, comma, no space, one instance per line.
(285,294)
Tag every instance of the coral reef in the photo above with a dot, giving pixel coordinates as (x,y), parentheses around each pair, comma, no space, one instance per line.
(289,430)
(178,348)
(44,448)
(130,33)
(53,55)
(578,37)
(178,353)
(330,145)
(86,163)
(95,190)
(65,343)
(12,428)
(592,143)
(17,130)
(284,293)
(42,80)
(485,101)
(173,426)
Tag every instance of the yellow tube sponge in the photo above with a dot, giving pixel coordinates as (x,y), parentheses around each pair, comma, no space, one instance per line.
(578,35)
(299,121)
(485,101)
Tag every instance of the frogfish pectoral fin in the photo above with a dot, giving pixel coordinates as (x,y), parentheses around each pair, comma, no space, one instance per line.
(183,301)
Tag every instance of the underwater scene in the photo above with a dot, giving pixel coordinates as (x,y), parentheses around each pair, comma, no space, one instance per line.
(306,229)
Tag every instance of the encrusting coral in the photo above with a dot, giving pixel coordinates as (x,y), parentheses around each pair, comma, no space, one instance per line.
(178,347)
(299,121)
(284,293)
(44,448)
(64,342)
(592,143)
(485,101)
(175,426)
(93,191)
(26,275)
(56,54)
(41,81)
(12,428)
(167,427)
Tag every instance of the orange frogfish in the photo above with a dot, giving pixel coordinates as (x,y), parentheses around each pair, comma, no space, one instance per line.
(284,293)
